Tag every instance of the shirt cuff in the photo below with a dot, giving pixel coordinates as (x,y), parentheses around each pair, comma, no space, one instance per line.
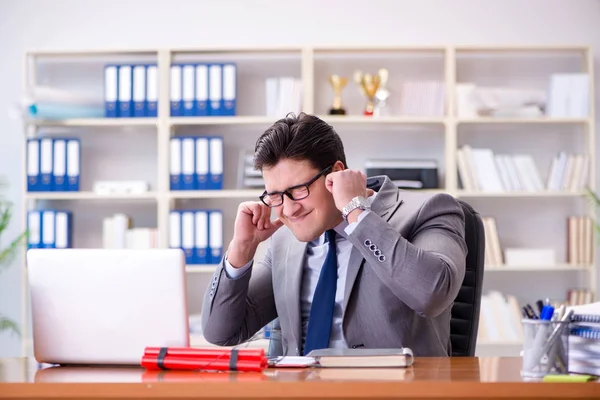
(351,226)
(235,273)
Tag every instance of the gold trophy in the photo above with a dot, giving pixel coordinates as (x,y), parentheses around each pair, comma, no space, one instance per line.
(338,83)
(369,84)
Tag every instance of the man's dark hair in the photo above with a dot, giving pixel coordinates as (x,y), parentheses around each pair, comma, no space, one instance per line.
(304,137)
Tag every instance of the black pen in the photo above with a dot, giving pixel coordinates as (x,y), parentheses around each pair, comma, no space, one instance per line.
(540,305)
(530,309)
(527,313)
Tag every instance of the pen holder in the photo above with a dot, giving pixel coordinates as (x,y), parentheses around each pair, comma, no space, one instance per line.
(545,347)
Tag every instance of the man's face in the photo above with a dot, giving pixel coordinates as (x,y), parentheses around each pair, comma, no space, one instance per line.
(307,218)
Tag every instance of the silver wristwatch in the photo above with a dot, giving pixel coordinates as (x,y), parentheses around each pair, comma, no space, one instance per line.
(357,202)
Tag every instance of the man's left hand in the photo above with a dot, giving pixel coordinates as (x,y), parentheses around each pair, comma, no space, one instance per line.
(346,185)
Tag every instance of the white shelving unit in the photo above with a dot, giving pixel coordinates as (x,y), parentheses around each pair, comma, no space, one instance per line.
(108,145)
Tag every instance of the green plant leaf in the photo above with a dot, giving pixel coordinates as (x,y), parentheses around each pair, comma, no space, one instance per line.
(8,325)
(8,253)
(5,215)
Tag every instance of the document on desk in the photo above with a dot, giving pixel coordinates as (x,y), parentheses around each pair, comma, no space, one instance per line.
(292,362)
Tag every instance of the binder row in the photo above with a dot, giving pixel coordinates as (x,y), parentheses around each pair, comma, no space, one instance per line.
(53,165)
(49,229)
(199,233)
(196,163)
(203,89)
(130,90)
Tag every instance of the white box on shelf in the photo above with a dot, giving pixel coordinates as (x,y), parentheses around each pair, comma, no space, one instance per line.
(121,187)
(529,256)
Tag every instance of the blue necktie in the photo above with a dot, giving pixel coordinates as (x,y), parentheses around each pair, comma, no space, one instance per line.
(321,310)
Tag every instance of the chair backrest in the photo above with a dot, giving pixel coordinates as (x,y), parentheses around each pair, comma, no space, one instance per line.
(464,322)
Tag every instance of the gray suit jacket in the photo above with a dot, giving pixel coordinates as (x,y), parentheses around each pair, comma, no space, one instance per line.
(399,296)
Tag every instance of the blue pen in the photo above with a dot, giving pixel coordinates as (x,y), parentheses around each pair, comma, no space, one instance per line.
(547,313)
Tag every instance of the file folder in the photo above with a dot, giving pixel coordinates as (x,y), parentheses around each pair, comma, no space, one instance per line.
(33,165)
(187,235)
(59,173)
(125,91)
(175,164)
(151,91)
(111,85)
(46,164)
(215,89)
(188,145)
(215,163)
(73,164)
(139,91)
(34,228)
(188,83)
(201,237)
(62,226)
(48,229)
(176,92)
(202,164)
(215,241)
(229,89)
(202,108)
(174,230)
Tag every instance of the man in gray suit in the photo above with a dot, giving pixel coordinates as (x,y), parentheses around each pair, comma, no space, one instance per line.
(351,262)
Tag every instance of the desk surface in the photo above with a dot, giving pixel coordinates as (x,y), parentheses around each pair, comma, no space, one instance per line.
(464,378)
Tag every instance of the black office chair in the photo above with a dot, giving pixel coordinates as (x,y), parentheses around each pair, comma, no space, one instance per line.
(464,322)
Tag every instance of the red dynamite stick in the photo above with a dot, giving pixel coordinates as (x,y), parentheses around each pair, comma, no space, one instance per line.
(197,353)
(188,364)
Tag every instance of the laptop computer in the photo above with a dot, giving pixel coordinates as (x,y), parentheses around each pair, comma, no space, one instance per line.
(104,306)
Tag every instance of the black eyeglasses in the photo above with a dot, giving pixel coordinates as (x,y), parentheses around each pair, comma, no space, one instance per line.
(298,192)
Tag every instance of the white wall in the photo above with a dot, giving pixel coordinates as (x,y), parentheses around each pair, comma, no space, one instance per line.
(72,24)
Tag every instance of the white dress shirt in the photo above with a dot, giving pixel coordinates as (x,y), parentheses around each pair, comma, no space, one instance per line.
(316,252)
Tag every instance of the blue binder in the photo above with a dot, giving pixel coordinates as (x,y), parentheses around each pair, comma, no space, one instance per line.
(48,229)
(139,91)
(215,181)
(46,163)
(188,92)
(188,162)
(73,164)
(151,90)
(176,90)
(175,164)
(201,92)
(59,171)
(229,89)
(188,235)
(34,229)
(125,91)
(111,90)
(33,165)
(202,163)
(201,237)
(215,89)
(215,236)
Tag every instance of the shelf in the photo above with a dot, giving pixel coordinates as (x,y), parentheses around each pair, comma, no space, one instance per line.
(200,268)
(88,196)
(237,120)
(533,268)
(535,120)
(216,194)
(360,119)
(465,194)
(96,122)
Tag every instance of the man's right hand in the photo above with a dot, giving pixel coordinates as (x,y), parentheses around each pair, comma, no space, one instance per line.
(253,225)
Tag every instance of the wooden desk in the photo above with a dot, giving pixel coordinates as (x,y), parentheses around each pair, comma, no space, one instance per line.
(450,378)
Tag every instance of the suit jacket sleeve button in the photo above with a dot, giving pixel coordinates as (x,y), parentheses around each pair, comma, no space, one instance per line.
(368,242)
(381,258)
